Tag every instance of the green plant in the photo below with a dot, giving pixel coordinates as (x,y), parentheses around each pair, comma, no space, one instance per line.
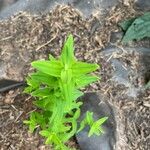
(55,85)
(136,28)
(148,85)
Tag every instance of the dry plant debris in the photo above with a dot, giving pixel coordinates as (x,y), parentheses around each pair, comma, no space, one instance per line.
(132,113)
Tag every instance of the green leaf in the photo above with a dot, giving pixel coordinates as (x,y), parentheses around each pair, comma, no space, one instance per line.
(88,120)
(77,114)
(52,138)
(81,68)
(64,128)
(45,103)
(147,85)
(76,105)
(82,126)
(73,130)
(40,120)
(32,85)
(63,147)
(139,29)
(32,122)
(96,127)
(43,78)
(51,58)
(48,140)
(45,133)
(56,118)
(43,92)
(67,91)
(126,24)
(84,80)
(28,89)
(66,76)
(76,94)
(52,68)
(67,56)
(41,103)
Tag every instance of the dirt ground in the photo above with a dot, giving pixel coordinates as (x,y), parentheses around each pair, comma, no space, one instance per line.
(25,38)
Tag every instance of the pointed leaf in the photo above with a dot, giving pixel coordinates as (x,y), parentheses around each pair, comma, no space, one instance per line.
(126,24)
(67,55)
(76,94)
(51,58)
(139,29)
(66,75)
(32,122)
(43,78)
(32,85)
(147,85)
(67,91)
(81,68)
(89,118)
(43,92)
(26,121)
(52,68)
(84,80)
(45,133)
(96,127)
(48,140)
(101,121)
(77,114)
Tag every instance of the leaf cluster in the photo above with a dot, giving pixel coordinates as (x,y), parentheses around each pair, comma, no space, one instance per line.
(55,86)
(136,28)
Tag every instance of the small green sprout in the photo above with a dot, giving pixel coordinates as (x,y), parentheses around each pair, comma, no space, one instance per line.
(55,86)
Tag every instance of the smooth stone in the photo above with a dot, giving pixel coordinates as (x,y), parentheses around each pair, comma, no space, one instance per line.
(6,3)
(42,6)
(100,108)
(143,4)
(121,74)
(87,7)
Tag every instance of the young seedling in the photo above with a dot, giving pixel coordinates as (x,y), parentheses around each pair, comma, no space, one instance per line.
(55,86)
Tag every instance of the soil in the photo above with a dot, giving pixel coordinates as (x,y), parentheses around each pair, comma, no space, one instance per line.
(25,38)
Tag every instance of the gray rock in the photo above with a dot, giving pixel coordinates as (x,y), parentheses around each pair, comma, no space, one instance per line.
(123,71)
(6,3)
(43,6)
(143,4)
(88,6)
(99,105)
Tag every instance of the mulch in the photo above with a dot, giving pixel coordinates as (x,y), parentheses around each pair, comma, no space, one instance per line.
(25,38)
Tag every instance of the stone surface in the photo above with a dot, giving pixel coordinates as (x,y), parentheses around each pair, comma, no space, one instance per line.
(143,4)
(89,6)
(41,6)
(99,105)
(6,3)
(131,67)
